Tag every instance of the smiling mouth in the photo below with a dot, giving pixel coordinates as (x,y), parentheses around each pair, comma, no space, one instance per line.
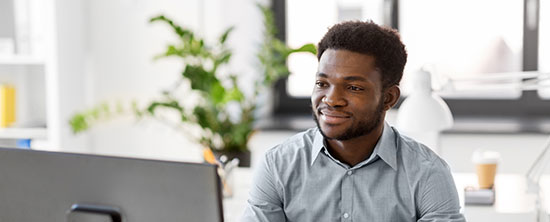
(333,118)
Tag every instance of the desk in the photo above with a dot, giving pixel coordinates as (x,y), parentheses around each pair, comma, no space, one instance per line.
(233,207)
(512,203)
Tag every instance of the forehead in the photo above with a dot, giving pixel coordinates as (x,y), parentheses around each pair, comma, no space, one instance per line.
(343,63)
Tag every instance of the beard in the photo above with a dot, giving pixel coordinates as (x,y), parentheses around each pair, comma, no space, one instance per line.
(363,127)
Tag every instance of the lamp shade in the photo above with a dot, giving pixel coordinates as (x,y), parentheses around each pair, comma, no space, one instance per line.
(422,110)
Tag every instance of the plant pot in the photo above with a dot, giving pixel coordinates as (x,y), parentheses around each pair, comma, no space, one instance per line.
(244,157)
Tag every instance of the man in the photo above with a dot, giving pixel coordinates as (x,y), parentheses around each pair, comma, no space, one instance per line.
(354,166)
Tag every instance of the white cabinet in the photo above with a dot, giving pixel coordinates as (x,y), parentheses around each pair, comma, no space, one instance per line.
(30,68)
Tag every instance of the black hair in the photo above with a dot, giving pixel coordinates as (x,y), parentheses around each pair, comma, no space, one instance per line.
(383,43)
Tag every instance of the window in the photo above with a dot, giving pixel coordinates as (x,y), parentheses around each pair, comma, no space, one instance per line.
(470,46)
(309,26)
(544,46)
(465,45)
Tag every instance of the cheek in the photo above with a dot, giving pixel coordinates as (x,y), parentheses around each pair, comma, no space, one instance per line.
(367,105)
(315,99)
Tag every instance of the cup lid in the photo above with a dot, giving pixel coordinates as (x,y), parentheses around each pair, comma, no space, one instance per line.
(485,156)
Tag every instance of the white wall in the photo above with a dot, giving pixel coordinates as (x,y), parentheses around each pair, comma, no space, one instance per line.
(119,47)
(69,70)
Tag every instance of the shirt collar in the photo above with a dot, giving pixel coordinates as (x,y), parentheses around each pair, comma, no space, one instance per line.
(318,144)
(385,148)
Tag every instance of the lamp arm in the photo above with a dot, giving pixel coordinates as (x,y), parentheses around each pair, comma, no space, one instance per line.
(535,171)
(533,176)
(528,80)
(536,83)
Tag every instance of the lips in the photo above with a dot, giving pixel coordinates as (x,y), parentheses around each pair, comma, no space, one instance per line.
(333,117)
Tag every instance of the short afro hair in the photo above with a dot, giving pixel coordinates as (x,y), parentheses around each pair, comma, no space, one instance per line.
(384,44)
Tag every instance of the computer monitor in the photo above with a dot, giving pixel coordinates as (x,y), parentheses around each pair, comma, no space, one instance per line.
(54,186)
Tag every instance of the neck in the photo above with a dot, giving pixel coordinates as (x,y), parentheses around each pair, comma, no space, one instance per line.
(355,150)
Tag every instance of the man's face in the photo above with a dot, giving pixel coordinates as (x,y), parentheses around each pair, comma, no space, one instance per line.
(347,99)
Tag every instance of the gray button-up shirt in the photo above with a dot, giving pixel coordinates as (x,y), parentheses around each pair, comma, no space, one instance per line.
(402,180)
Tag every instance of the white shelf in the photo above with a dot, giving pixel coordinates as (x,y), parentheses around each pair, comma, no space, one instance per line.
(20,60)
(23,133)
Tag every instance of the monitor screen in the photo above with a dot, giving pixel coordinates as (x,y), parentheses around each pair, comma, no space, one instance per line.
(53,186)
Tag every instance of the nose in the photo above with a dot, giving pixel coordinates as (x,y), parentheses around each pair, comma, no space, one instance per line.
(334,98)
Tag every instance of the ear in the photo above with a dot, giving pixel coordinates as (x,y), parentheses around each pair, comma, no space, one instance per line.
(391,96)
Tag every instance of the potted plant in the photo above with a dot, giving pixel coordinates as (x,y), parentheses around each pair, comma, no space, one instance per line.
(222,112)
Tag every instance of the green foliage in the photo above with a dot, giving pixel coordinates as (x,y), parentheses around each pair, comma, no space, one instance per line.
(216,91)
(82,121)
(273,52)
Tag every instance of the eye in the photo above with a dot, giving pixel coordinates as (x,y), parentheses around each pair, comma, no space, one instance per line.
(320,84)
(355,88)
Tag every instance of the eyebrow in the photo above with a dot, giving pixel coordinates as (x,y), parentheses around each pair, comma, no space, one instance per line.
(348,78)
(323,75)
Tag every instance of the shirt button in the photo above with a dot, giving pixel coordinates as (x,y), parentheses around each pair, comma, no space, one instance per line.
(346,215)
(350,172)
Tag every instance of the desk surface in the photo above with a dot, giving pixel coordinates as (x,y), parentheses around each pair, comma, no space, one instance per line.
(234,206)
(512,203)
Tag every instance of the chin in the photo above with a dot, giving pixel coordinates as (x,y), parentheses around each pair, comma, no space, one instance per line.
(331,131)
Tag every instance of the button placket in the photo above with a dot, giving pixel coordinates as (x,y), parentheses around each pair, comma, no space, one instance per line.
(347,194)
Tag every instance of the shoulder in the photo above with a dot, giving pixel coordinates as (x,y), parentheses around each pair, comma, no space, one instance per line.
(415,151)
(418,158)
(430,181)
(425,171)
(296,148)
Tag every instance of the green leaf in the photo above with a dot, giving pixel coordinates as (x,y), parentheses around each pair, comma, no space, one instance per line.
(174,105)
(206,118)
(152,107)
(78,123)
(157,18)
(82,121)
(217,93)
(172,50)
(225,34)
(181,32)
(200,115)
(196,47)
(201,43)
(233,95)
(306,48)
(223,58)
(200,78)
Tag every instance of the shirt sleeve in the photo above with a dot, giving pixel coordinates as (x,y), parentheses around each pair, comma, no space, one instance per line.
(438,200)
(264,201)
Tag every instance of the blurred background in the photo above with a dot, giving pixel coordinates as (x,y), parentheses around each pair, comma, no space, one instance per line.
(486,58)
(488,61)
(66,56)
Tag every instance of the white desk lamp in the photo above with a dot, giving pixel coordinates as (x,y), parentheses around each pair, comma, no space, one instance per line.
(423,114)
